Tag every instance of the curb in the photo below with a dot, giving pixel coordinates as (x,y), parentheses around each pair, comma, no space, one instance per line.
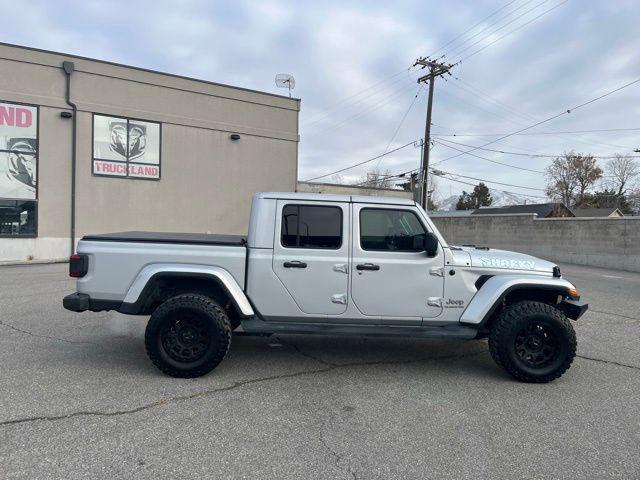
(33,262)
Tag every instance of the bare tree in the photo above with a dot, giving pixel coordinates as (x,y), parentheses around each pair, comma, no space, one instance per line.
(434,194)
(377,179)
(337,179)
(562,181)
(571,176)
(622,173)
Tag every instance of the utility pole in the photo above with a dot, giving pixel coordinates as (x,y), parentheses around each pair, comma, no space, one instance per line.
(435,69)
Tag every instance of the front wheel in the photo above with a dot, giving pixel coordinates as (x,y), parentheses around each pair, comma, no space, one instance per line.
(188,336)
(534,342)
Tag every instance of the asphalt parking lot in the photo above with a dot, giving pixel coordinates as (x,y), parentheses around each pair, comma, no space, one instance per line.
(79,399)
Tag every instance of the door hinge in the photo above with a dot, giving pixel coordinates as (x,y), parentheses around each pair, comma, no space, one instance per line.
(436,271)
(434,302)
(340,298)
(341,267)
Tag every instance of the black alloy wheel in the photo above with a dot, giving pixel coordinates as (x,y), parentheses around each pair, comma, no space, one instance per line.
(533,341)
(185,339)
(188,335)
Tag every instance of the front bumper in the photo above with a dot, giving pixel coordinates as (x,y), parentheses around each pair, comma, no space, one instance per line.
(573,309)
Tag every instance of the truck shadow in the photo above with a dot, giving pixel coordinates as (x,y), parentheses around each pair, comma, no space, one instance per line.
(249,355)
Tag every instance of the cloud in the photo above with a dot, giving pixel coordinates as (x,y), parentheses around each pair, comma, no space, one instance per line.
(361,50)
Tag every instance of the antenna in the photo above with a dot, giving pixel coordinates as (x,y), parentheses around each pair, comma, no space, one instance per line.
(284,80)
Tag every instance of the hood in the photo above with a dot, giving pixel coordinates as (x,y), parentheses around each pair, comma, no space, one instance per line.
(484,257)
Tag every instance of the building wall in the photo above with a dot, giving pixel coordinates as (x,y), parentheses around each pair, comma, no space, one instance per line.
(602,242)
(207,180)
(338,189)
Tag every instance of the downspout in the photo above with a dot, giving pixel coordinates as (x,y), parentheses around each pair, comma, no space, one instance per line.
(68,70)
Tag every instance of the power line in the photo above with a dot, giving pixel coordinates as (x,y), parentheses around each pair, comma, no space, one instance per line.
(514,30)
(457,51)
(381,103)
(434,170)
(476,92)
(494,189)
(483,158)
(566,112)
(538,155)
(602,130)
(413,142)
(495,22)
(526,116)
(404,117)
(339,103)
(472,27)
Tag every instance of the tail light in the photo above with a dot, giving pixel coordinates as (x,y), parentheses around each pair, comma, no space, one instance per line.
(78,265)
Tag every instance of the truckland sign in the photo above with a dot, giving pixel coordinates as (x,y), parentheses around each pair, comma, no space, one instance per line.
(18,151)
(126,148)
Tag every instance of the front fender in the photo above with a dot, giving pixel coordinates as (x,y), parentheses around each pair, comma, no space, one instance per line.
(134,296)
(490,295)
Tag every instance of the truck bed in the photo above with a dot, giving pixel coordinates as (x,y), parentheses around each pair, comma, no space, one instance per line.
(168,237)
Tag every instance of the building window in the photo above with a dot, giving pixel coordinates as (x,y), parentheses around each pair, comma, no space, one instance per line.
(391,230)
(126,148)
(17,218)
(18,169)
(311,226)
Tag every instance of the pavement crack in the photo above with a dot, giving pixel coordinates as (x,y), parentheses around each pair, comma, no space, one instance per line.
(233,386)
(50,337)
(611,362)
(337,458)
(615,315)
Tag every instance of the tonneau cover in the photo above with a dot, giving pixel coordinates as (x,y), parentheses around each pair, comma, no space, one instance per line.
(167,237)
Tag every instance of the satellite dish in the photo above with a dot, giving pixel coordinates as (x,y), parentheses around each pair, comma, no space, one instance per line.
(284,80)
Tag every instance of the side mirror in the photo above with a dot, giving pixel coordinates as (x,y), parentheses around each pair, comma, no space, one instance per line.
(430,244)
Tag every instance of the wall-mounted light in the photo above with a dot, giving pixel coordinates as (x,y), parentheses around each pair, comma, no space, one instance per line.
(66,114)
(234,136)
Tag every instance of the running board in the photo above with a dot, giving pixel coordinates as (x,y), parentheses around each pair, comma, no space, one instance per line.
(253,326)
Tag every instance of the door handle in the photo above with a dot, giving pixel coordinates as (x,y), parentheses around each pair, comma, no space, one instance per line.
(367,266)
(295,264)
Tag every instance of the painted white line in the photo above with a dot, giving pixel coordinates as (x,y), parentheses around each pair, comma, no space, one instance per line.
(612,276)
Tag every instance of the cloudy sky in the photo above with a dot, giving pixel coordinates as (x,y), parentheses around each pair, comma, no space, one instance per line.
(351,61)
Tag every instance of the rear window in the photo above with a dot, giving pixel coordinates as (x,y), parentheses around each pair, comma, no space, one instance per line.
(311,226)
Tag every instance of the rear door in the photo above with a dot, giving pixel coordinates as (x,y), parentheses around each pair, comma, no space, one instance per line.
(391,274)
(311,254)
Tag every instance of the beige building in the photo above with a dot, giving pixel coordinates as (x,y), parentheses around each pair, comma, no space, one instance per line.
(152,151)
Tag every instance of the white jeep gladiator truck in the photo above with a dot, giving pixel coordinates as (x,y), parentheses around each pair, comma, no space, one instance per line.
(328,264)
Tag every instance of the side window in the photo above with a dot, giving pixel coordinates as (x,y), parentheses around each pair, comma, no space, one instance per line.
(311,226)
(390,230)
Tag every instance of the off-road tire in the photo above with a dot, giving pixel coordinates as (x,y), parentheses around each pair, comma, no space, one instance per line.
(214,333)
(508,328)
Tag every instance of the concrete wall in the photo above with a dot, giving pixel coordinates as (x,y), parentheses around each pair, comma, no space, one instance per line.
(338,189)
(601,242)
(207,180)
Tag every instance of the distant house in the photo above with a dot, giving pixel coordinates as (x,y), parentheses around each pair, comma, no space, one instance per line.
(543,210)
(597,212)
(449,213)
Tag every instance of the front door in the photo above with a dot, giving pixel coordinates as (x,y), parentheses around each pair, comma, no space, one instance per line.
(311,254)
(390,272)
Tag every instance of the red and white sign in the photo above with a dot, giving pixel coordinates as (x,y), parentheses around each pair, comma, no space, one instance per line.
(120,169)
(126,148)
(15,116)
(18,151)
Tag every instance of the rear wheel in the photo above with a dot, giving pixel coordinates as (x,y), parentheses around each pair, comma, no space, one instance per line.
(188,336)
(533,342)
